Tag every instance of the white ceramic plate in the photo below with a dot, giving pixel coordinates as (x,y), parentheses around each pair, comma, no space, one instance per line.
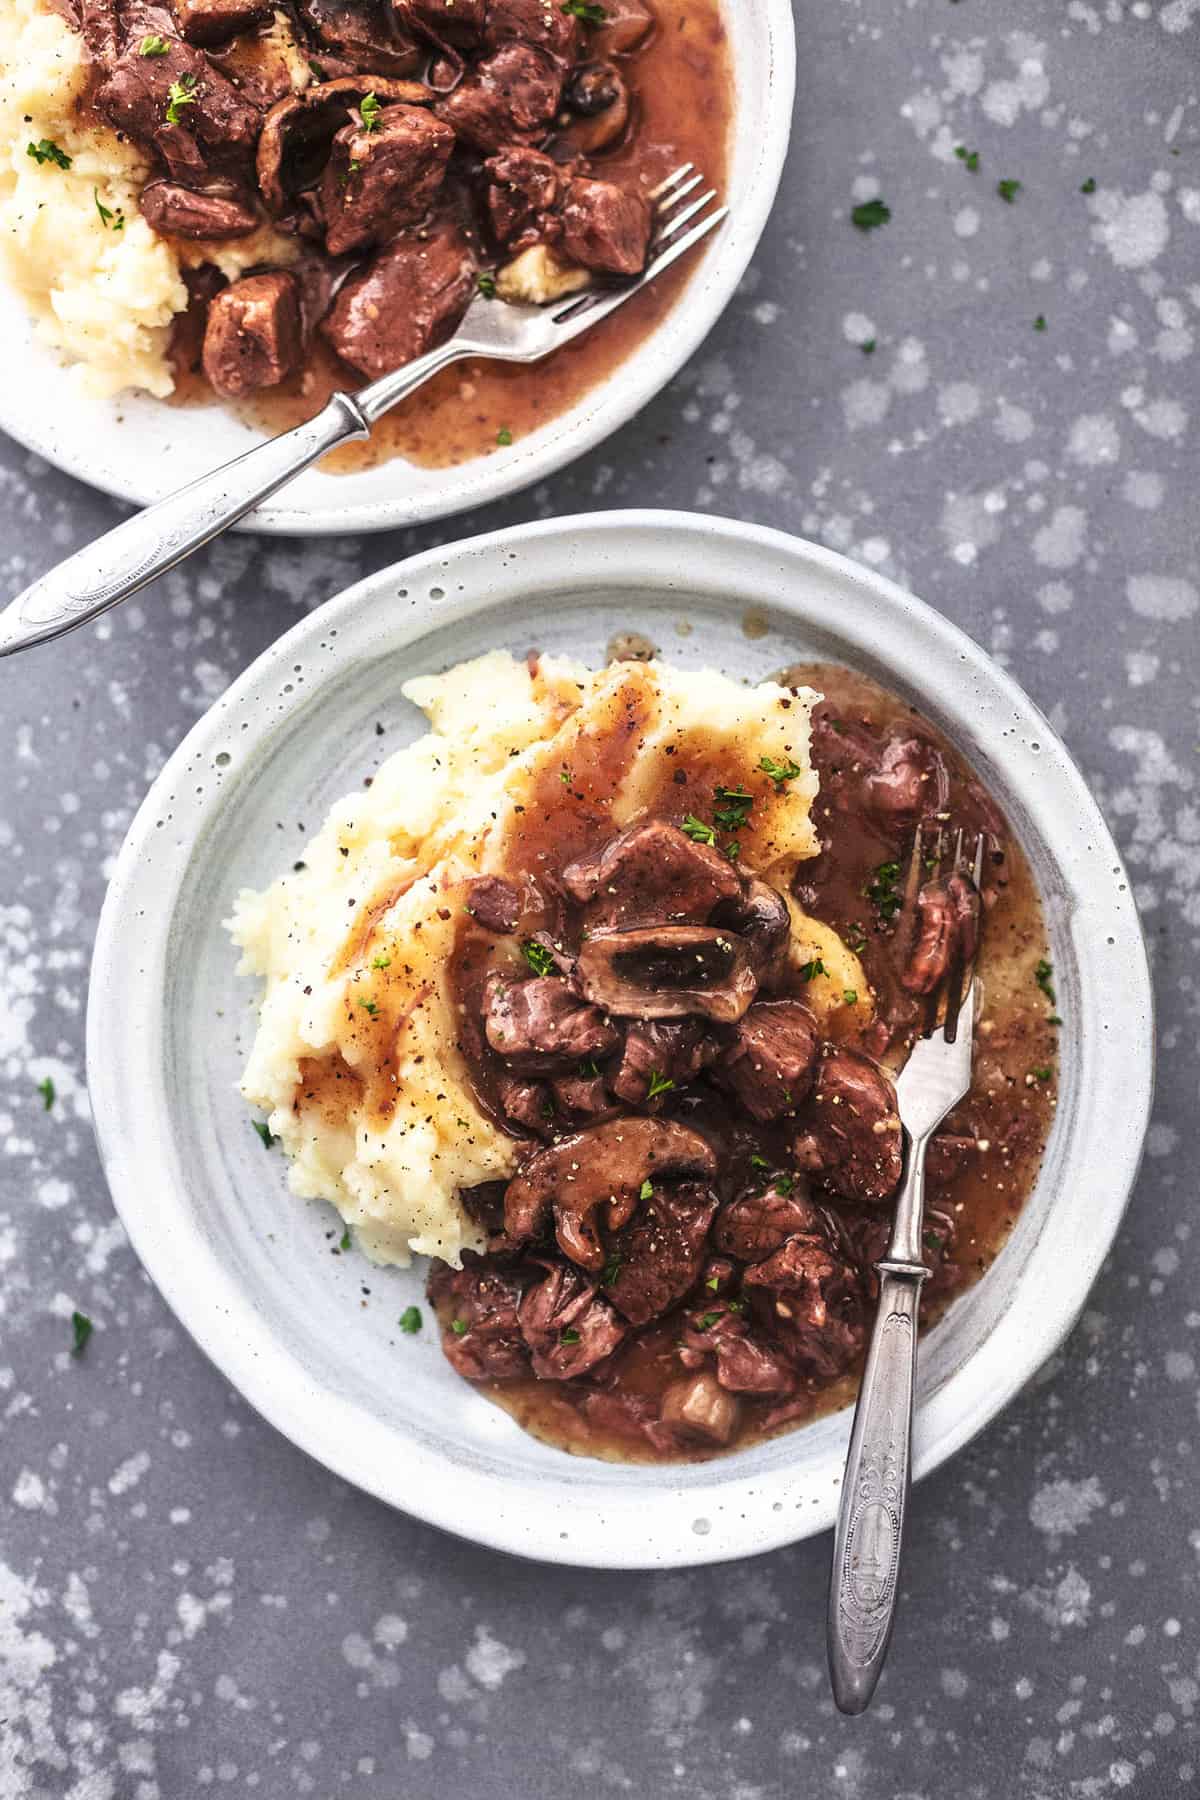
(149,449)
(248,1268)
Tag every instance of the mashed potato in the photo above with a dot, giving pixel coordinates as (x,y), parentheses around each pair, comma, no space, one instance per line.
(103,293)
(355,1057)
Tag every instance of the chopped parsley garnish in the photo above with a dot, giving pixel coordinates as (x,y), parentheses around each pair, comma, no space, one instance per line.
(344,1240)
(856,938)
(732,850)
(659,1084)
(269,1140)
(587,10)
(867,346)
(713,1282)
(969,158)
(181,93)
(697,830)
(487,286)
(882,891)
(780,772)
(108,218)
(870,215)
(382,962)
(759,1162)
(1008,189)
(569,1335)
(783,1184)
(932,1241)
(734,807)
(850,996)
(369,112)
(736,1305)
(1042,1074)
(540,960)
(706,1321)
(588,1069)
(1039,324)
(646,1191)
(504,437)
(1044,976)
(47,1090)
(1088,186)
(81,1331)
(370,1007)
(459,1327)
(47,151)
(410,1320)
(810,970)
(564,775)
(612,1269)
(153,46)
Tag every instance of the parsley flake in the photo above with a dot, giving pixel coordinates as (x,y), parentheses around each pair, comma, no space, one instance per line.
(370,1007)
(646,1191)
(870,215)
(369,112)
(706,1320)
(410,1320)
(48,1092)
(1043,974)
(810,970)
(780,772)
(109,219)
(540,960)
(868,346)
(81,1331)
(734,807)
(697,830)
(882,891)
(269,1140)
(612,1269)
(344,1240)
(659,1084)
(459,1327)
(968,158)
(382,962)
(1039,324)
(487,286)
(713,1283)
(1088,186)
(181,93)
(153,46)
(1008,189)
(587,10)
(569,1335)
(850,996)
(47,151)
(504,437)
(1042,1074)
(759,1162)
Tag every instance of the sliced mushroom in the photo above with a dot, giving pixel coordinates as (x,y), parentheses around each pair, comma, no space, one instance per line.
(667,971)
(599,98)
(606,1165)
(760,916)
(297,133)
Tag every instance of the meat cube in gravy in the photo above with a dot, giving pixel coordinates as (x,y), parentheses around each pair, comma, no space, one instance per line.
(458,22)
(546,23)
(207,22)
(756,1225)
(540,1025)
(658,1257)
(253,337)
(605,228)
(481,1332)
(211,130)
(494,903)
(811,1301)
(365,33)
(511,98)
(658,1050)
(850,1136)
(378,181)
(178,211)
(406,300)
(649,875)
(523,191)
(772,1062)
(568,1326)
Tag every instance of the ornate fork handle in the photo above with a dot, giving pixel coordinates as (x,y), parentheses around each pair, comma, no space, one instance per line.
(870,1527)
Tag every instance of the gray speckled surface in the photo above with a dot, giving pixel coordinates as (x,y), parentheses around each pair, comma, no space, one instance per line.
(187,1603)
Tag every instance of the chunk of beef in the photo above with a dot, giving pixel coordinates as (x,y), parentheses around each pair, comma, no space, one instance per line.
(668,971)
(100,27)
(568,1326)
(407,299)
(658,1257)
(747,1366)
(761,917)
(538,1026)
(215,129)
(674,1050)
(510,98)
(212,21)
(481,1333)
(772,1062)
(298,132)
(605,1165)
(605,228)
(627,23)
(811,1301)
(378,181)
(753,1227)
(652,874)
(365,33)
(947,925)
(911,782)
(624,1418)
(544,23)
(181,212)
(494,903)
(443,22)
(252,339)
(525,1103)
(699,1410)
(850,1136)
(522,193)
(583,1097)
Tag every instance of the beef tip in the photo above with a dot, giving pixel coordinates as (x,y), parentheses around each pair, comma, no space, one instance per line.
(100,28)
(746,1366)
(187,328)
(761,917)
(629,1419)
(484,1203)
(525,1103)
(539,1025)
(409,298)
(947,1155)
(481,1335)
(252,339)
(380,180)
(910,783)
(522,194)
(605,228)
(627,23)
(443,22)
(772,1062)
(181,212)
(215,130)
(753,1227)
(298,132)
(947,925)
(494,903)
(365,33)
(544,23)
(212,21)
(652,874)
(511,98)
(569,1328)
(698,1409)
(811,1301)
(668,971)
(601,102)
(658,1257)
(850,1136)
(584,1096)
(605,1165)
(674,1050)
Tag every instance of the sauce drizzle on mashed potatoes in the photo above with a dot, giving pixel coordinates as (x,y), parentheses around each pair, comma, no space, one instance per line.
(356,1057)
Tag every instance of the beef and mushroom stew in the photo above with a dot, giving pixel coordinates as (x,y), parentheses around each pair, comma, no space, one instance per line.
(683,1261)
(392,159)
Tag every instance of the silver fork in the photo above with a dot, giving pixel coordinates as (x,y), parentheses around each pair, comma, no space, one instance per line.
(866,1551)
(162,535)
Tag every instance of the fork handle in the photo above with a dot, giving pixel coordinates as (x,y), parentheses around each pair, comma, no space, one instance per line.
(870,1524)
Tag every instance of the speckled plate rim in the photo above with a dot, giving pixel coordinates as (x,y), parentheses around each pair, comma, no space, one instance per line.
(621,1516)
(139,449)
